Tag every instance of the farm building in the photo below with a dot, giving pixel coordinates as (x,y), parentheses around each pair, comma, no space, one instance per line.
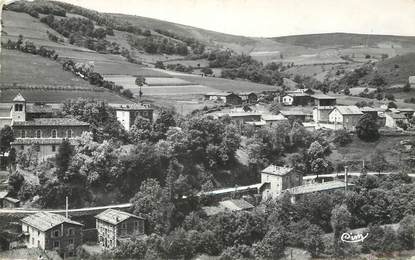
(275,179)
(287,100)
(299,191)
(127,114)
(296,115)
(115,226)
(346,116)
(225,97)
(409,112)
(321,114)
(48,231)
(240,117)
(248,97)
(323,100)
(45,133)
(394,120)
(273,119)
(371,111)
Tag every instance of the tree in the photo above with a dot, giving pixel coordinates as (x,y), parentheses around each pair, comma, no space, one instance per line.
(207,71)
(313,240)
(347,91)
(340,221)
(63,157)
(342,137)
(159,65)
(273,245)
(6,137)
(392,105)
(407,87)
(390,97)
(15,183)
(140,81)
(378,161)
(406,232)
(367,128)
(152,203)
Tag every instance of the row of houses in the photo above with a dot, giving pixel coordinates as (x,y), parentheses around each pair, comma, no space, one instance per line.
(231,98)
(305,97)
(54,232)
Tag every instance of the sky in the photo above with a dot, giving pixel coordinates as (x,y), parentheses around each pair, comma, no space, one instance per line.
(267,18)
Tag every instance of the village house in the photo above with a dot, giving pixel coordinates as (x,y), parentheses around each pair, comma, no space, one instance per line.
(248,97)
(409,112)
(296,99)
(346,116)
(241,117)
(321,114)
(299,191)
(322,100)
(8,202)
(127,114)
(114,227)
(225,97)
(394,120)
(296,115)
(48,231)
(371,111)
(275,179)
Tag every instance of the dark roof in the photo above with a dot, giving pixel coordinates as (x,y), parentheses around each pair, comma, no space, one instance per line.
(277,170)
(115,217)
(45,220)
(51,122)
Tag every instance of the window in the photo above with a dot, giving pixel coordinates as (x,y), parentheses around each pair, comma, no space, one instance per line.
(23,134)
(56,233)
(53,148)
(136,224)
(70,232)
(22,147)
(33,240)
(69,133)
(38,233)
(18,107)
(37,147)
(55,243)
(54,133)
(70,241)
(71,253)
(38,134)
(123,225)
(142,226)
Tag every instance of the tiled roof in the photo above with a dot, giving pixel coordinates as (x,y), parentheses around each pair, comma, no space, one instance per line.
(322,96)
(224,94)
(323,108)
(51,122)
(348,110)
(316,187)
(397,116)
(368,109)
(114,217)
(235,205)
(132,107)
(45,220)
(273,117)
(406,109)
(293,113)
(19,98)
(277,170)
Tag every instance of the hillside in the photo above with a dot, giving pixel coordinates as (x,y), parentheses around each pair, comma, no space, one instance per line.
(396,70)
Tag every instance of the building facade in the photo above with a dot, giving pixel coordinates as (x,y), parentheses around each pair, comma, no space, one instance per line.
(127,114)
(248,97)
(48,231)
(33,126)
(276,179)
(346,116)
(321,114)
(113,226)
(324,100)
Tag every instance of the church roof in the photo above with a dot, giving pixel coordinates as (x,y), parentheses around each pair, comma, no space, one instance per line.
(19,98)
(51,122)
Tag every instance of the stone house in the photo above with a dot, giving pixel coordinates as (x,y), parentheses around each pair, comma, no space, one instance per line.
(276,179)
(393,120)
(127,114)
(248,97)
(346,116)
(114,226)
(225,97)
(48,231)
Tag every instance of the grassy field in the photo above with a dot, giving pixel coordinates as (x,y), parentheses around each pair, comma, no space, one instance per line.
(27,69)
(227,84)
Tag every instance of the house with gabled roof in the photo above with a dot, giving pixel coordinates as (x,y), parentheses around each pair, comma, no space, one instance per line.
(115,226)
(33,125)
(345,116)
(48,231)
(275,179)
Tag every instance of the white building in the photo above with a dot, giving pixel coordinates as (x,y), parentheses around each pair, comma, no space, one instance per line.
(127,114)
(275,179)
(287,100)
(345,116)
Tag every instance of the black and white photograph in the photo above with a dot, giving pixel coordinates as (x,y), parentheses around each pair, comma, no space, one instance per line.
(207,129)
